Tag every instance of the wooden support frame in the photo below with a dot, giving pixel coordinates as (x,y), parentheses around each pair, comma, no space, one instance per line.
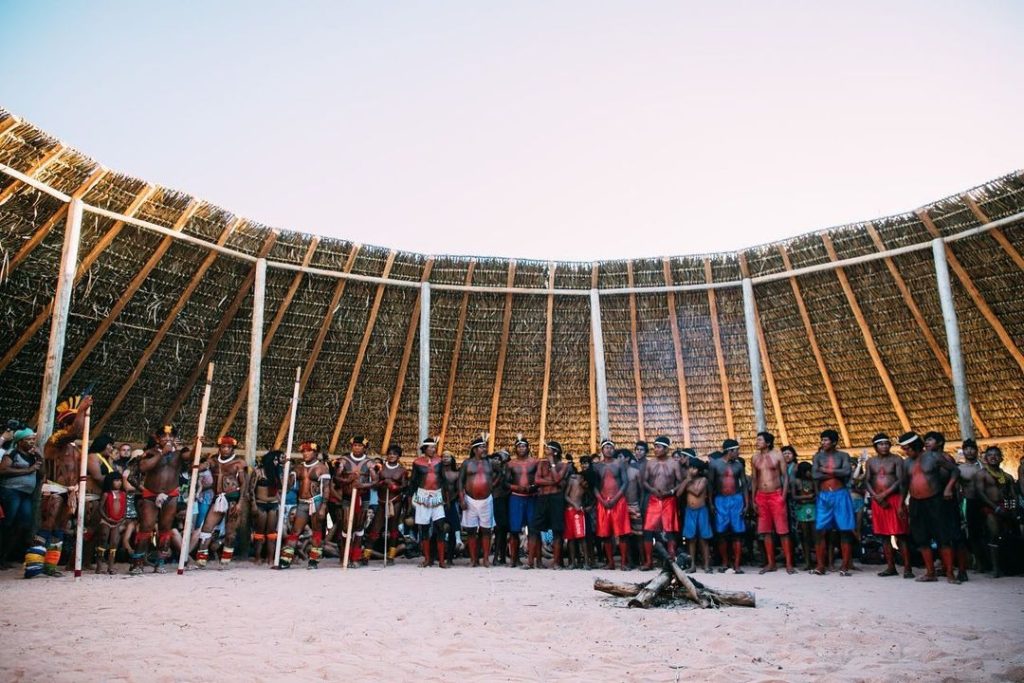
(594,276)
(126,296)
(39,166)
(548,332)
(922,324)
(460,328)
(506,324)
(812,338)
(318,342)
(766,361)
(83,267)
(282,308)
(634,343)
(869,340)
(9,123)
(164,328)
(972,291)
(997,234)
(403,365)
(218,332)
(353,378)
(719,353)
(677,349)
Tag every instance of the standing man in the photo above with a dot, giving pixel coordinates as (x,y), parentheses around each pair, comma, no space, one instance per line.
(428,497)
(501,491)
(313,478)
(995,492)
(884,484)
(60,500)
(728,487)
(831,469)
(549,514)
(663,482)
(476,485)
(392,484)
(770,482)
(612,512)
(231,496)
(928,518)
(355,475)
(159,467)
(522,471)
(974,520)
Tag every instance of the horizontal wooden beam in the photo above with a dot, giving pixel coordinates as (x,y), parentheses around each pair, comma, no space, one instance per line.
(37,167)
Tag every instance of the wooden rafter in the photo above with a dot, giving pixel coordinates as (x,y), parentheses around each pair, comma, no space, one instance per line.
(677,349)
(127,294)
(506,324)
(548,331)
(165,327)
(997,234)
(8,123)
(869,339)
(353,378)
(816,350)
(634,343)
(218,332)
(766,360)
(403,365)
(592,384)
(453,369)
(318,342)
(40,234)
(975,295)
(83,267)
(40,164)
(719,353)
(922,324)
(282,308)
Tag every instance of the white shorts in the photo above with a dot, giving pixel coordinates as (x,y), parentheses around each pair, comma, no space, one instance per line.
(429,506)
(478,513)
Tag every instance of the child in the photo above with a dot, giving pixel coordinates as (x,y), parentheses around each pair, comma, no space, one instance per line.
(113,506)
(803,499)
(576,523)
(697,526)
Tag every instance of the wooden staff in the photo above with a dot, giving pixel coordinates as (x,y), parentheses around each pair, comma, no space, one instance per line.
(287,469)
(186,538)
(387,504)
(353,492)
(83,465)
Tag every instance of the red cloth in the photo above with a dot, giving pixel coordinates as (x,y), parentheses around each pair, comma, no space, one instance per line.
(114,505)
(575,524)
(890,520)
(771,513)
(662,514)
(614,522)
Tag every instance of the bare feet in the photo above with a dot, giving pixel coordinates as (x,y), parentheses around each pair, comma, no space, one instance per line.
(766,570)
(889,571)
(927,578)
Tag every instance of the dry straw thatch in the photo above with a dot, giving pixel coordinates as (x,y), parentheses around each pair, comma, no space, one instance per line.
(149,312)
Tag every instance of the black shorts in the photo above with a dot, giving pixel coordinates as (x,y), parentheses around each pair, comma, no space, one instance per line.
(975,520)
(930,520)
(501,512)
(549,514)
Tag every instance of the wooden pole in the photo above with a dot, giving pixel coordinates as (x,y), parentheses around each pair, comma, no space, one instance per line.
(956,359)
(766,360)
(59,324)
(40,164)
(592,381)
(287,465)
(548,331)
(502,350)
(423,422)
(753,355)
(997,234)
(252,418)
(677,349)
(596,333)
(353,492)
(353,378)
(634,343)
(869,340)
(453,369)
(719,354)
(83,477)
(186,536)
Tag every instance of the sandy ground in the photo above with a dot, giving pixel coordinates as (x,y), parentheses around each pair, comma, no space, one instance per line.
(404,623)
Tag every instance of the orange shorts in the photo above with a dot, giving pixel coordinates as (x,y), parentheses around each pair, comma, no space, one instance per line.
(614,522)
(662,514)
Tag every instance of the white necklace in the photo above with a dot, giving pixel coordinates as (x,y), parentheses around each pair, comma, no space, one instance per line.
(308,465)
(392,467)
(353,458)
(225,462)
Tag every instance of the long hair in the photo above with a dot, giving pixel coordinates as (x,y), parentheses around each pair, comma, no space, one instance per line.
(271,469)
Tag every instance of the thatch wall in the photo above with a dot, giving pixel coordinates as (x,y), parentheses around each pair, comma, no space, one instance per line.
(152,366)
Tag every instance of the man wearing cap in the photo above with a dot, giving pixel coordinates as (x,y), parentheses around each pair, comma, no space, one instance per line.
(888,513)
(549,514)
(476,482)
(521,473)
(99,465)
(313,478)
(159,467)
(428,498)
(770,482)
(728,488)
(353,475)
(610,480)
(231,495)
(19,468)
(831,470)
(663,482)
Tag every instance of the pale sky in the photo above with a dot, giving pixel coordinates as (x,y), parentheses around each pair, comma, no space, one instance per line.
(569,130)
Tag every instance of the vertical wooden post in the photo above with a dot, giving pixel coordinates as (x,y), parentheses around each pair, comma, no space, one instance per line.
(59,323)
(592,383)
(956,359)
(548,331)
(453,370)
(604,429)
(635,344)
(252,415)
(424,403)
(766,361)
(753,354)
(502,350)
(677,348)
(719,354)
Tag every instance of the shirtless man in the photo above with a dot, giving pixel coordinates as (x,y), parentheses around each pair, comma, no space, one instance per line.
(549,514)
(60,499)
(884,484)
(99,465)
(995,492)
(636,498)
(697,524)
(353,472)
(428,497)
(974,520)
(521,473)
(231,490)
(160,467)
(922,476)
(831,470)
(612,512)
(391,489)
(727,482)
(476,482)
(313,478)
(500,491)
(452,504)
(576,520)
(664,482)
(770,482)
(936,443)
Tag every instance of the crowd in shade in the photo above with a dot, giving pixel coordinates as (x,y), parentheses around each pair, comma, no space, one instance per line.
(910,507)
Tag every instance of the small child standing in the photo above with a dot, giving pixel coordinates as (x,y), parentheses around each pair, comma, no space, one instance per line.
(697,526)
(113,507)
(803,509)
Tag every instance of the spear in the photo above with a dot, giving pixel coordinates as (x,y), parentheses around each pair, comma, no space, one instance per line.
(186,539)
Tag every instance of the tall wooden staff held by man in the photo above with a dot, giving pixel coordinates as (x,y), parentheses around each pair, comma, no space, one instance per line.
(83,475)
(287,469)
(186,537)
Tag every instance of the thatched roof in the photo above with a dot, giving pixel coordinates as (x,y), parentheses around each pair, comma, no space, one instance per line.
(154,369)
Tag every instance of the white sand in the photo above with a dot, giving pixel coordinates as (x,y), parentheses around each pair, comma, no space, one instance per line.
(408,624)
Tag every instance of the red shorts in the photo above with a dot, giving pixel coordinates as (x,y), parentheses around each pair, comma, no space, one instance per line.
(575,524)
(149,495)
(891,520)
(662,514)
(614,522)
(771,513)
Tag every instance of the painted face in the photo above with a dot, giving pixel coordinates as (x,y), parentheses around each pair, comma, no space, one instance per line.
(883,447)
(731,454)
(522,450)
(660,450)
(931,444)
(308,455)
(993,458)
(607,450)
(392,457)
(358,449)
(970,453)
(827,444)
(788,456)
(28,443)
(224,450)
(167,443)
(431,451)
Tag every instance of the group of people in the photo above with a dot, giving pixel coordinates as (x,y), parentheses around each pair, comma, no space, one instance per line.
(629,507)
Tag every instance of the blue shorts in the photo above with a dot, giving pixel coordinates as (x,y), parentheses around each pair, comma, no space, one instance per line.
(729,514)
(834,511)
(697,524)
(520,512)
(858,504)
